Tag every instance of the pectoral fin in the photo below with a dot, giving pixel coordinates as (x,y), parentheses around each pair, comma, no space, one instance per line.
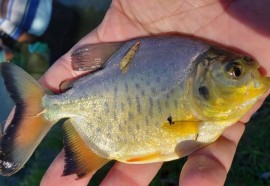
(79,159)
(93,56)
(65,85)
(182,128)
(187,147)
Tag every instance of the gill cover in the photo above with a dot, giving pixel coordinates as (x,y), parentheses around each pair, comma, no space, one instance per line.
(225,85)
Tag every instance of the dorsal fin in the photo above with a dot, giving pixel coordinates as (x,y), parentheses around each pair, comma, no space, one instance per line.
(93,56)
(79,159)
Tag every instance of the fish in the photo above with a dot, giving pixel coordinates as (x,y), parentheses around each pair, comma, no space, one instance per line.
(146,100)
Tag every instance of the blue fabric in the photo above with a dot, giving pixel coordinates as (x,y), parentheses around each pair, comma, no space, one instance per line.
(31,16)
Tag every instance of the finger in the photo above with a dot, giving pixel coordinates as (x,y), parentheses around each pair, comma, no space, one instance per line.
(209,165)
(131,174)
(54,176)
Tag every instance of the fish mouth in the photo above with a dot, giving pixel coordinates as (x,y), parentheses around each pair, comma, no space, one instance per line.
(266,82)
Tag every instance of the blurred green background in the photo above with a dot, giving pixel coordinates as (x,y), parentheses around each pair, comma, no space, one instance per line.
(251,165)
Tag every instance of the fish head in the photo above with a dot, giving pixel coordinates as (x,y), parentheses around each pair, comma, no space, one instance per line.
(224,85)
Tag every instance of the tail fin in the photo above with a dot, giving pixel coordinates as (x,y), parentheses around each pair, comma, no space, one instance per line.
(28,126)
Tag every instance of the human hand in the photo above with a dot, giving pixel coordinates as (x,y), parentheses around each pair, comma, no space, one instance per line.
(239,24)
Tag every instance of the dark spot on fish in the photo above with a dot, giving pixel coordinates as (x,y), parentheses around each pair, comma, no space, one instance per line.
(122,107)
(203,92)
(146,120)
(139,109)
(151,105)
(130,116)
(137,86)
(147,83)
(115,103)
(114,116)
(120,127)
(126,87)
(159,106)
(129,129)
(170,120)
(197,136)
(143,93)
(167,96)
(94,106)
(106,107)
(129,101)
(137,126)
(175,103)
(115,90)
(157,124)
(125,122)
(167,104)
(99,119)
(153,90)
(98,130)
(109,127)
(158,79)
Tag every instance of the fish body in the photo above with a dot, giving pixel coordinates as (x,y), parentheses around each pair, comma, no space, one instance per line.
(154,99)
(111,109)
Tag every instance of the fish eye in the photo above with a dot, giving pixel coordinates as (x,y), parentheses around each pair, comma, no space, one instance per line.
(234,70)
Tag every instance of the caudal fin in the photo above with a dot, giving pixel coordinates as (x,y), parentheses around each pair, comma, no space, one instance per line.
(28,126)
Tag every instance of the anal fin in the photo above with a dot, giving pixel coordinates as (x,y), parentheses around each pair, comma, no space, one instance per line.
(144,158)
(79,159)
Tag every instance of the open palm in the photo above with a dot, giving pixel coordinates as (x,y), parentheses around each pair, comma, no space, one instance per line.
(242,24)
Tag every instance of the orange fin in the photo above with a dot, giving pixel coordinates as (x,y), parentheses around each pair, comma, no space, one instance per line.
(129,57)
(79,159)
(28,126)
(187,147)
(144,158)
(182,128)
(93,56)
